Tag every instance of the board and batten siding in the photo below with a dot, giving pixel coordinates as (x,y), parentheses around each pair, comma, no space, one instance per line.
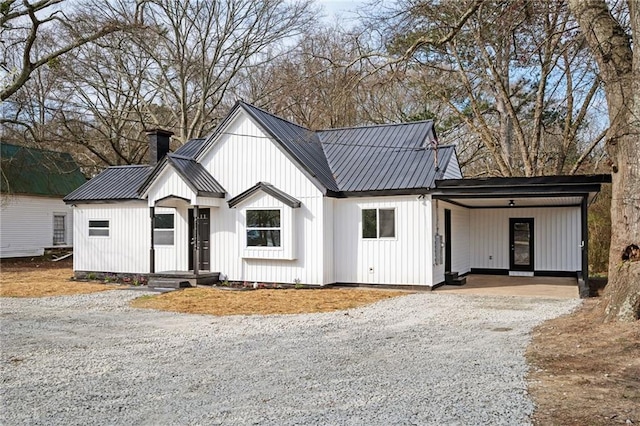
(405,259)
(243,156)
(125,250)
(167,184)
(557,237)
(453,168)
(26,224)
(460,239)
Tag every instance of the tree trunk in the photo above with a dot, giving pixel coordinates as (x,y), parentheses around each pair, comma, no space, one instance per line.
(620,72)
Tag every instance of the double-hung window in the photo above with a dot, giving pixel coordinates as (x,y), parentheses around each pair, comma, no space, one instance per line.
(59,229)
(263,228)
(378,223)
(163,229)
(98,228)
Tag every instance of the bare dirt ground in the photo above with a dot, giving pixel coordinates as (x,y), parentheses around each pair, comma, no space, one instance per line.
(585,372)
(40,277)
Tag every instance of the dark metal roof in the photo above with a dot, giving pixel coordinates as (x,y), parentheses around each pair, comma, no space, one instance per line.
(114,183)
(38,172)
(531,186)
(299,142)
(269,189)
(383,158)
(196,176)
(191,148)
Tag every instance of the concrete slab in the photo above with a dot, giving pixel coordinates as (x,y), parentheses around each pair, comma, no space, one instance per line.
(502,285)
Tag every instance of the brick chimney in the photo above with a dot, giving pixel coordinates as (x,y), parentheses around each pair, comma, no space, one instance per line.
(158,144)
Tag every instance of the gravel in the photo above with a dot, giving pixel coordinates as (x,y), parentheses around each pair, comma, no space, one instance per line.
(418,359)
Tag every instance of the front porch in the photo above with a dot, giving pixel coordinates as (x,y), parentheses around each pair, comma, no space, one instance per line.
(181,279)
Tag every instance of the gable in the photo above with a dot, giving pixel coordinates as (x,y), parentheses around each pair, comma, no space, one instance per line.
(243,154)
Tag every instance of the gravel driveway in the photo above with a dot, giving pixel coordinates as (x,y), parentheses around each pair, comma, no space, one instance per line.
(418,359)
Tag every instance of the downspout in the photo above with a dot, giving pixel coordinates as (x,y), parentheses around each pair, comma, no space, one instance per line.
(152,252)
(583,284)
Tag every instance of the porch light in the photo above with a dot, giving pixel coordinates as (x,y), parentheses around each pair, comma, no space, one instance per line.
(511,203)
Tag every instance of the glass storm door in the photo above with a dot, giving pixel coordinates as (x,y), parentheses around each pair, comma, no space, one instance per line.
(521,244)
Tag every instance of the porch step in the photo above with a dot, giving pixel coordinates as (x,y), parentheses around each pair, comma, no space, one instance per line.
(452,278)
(161,282)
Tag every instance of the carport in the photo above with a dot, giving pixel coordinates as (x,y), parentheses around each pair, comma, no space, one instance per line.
(508,228)
(502,285)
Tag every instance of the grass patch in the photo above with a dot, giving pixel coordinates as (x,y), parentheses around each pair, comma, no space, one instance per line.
(24,282)
(262,302)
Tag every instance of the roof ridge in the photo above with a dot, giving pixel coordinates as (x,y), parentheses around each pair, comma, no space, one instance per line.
(276,116)
(129,166)
(180,157)
(375,125)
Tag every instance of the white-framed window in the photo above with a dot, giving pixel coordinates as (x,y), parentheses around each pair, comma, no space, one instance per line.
(98,228)
(264,228)
(163,229)
(59,229)
(378,223)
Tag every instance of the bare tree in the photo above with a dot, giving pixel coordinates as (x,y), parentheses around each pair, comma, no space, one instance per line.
(22,23)
(199,48)
(514,73)
(610,40)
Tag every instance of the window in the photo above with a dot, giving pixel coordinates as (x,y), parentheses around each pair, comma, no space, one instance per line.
(378,223)
(59,230)
(98,228)
(163,230)
(263,228)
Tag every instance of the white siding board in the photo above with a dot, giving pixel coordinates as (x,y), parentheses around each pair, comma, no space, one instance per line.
(328,240)
(453,168)
(125,250)
(169,183)
(557,237)
(26,224)
(401,260)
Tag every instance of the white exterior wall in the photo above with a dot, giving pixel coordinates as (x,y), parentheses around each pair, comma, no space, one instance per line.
(557,237)
(405,259)
(169,183)
(328,240)
(26,224)
(242,157)
(460,239)
(126,249)
(453,168)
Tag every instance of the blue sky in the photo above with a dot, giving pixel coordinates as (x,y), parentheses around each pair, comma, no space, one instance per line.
(343,9)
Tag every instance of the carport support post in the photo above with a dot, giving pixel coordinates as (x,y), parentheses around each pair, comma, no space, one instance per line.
(152,251)
(584,286)
(196,241)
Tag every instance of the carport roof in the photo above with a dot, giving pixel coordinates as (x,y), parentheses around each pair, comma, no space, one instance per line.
(523,191)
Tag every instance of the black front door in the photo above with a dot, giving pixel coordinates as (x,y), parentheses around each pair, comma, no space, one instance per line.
(204,232)
(521,244)
(447,240)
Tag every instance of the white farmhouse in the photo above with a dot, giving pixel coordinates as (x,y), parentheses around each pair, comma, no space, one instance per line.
(265,200)
(33,216)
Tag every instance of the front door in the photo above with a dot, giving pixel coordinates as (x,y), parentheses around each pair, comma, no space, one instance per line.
(204,232)
(521,244)
(447,241)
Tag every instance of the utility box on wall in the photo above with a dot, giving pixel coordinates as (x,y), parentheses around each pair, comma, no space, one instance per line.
(437,249)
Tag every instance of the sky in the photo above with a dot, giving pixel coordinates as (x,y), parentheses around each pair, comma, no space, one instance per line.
(342,9)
